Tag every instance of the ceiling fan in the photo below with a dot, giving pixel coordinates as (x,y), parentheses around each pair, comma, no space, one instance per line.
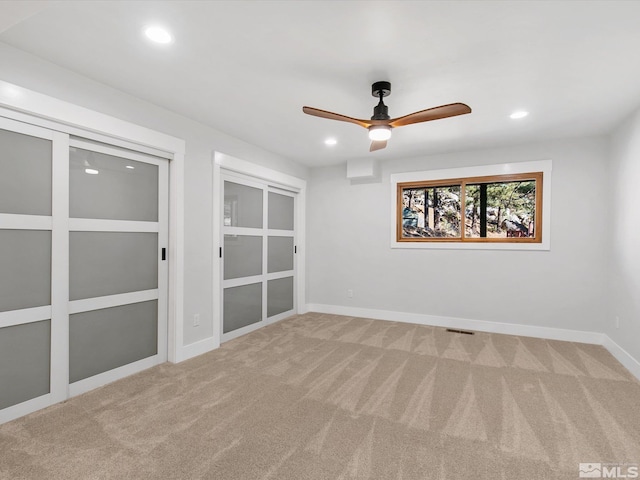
(381,123)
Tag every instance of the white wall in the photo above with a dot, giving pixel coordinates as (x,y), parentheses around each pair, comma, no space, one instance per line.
(348,237)
(25,70)
(348,247)
(624,206)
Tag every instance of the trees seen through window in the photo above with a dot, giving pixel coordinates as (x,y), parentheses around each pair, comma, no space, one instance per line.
(502,208)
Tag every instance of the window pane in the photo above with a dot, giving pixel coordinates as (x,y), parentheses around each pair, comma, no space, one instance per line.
(242,256)
(242,306)
(510,209)
(279,296)
(101,340)
(242,206)
(431,212)
(280,211)
(25,269)
(118,189)
(280,254)
(24,362)
(25,174)
(109,263)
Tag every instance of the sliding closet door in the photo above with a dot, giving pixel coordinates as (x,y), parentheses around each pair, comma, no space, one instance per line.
(83,270)
(117,275)
(258,255)
(280,254)
(26,177)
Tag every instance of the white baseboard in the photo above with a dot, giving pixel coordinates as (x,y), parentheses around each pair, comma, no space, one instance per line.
(196,348)
(211,343)
(624,357)
(463,323)
(550,333)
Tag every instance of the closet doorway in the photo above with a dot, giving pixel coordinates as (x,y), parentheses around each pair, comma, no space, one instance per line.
(83,270)
(258,254)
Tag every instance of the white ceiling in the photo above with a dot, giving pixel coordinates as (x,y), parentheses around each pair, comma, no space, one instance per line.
(247,67)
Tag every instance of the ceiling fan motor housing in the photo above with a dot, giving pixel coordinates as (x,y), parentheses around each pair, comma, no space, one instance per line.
(380,111)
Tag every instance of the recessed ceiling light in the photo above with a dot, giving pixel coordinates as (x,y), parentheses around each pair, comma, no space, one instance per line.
(158,34)
(91,171)
(11,91)
(518,114)
(330,141)
(130,167)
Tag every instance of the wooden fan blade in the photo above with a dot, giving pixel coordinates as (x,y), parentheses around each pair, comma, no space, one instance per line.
(335,116)
(435,113)
(379,145)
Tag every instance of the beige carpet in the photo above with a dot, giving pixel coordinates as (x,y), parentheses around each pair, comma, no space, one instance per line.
(329,397)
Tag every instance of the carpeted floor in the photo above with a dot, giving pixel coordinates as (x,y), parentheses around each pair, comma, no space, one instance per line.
(328,397)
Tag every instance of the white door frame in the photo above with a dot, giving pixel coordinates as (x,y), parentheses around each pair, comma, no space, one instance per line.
(42,110)
(225,164)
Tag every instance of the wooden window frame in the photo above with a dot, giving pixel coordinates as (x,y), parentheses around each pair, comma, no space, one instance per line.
(463,182)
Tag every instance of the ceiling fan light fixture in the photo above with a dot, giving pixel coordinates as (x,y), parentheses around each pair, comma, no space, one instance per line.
(379,133)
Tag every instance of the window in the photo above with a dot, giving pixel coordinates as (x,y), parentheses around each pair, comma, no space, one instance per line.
(481,209)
